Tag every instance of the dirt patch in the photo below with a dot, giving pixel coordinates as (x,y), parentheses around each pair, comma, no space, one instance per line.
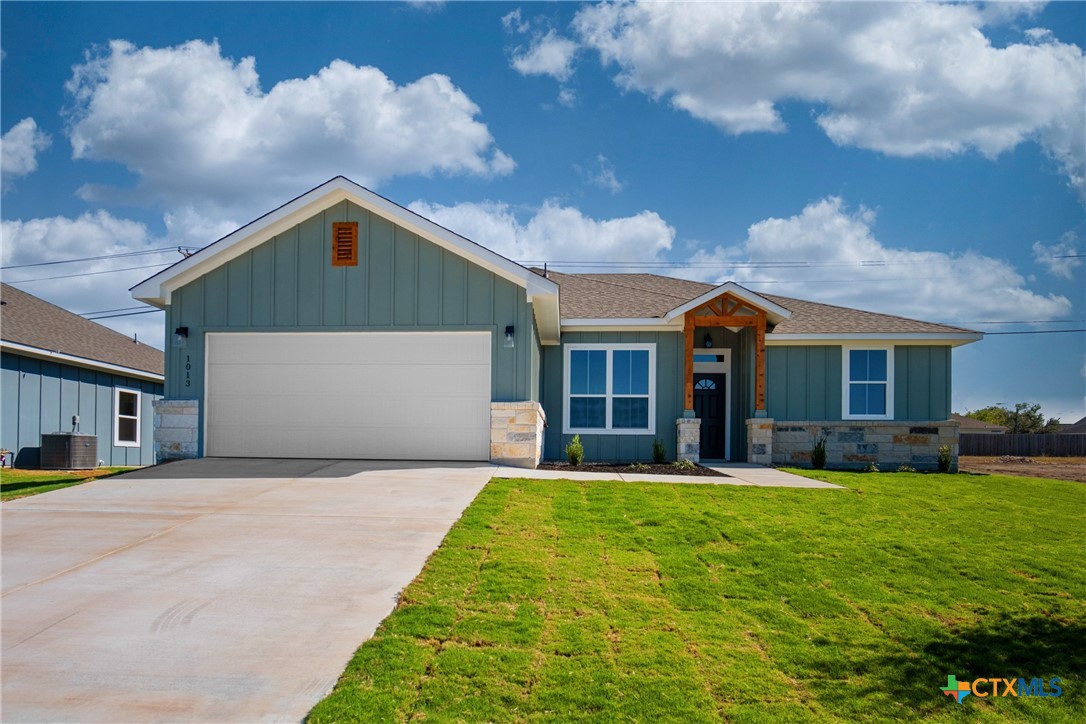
(1058,468)
(642,468)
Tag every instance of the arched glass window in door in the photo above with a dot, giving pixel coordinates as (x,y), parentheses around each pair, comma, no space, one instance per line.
(705,384)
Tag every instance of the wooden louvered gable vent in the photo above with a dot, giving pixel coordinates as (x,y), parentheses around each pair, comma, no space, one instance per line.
(345,243)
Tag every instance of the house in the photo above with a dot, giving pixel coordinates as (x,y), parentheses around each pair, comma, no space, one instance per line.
(978,427)
(1074,428)
(56,365)
(342,325)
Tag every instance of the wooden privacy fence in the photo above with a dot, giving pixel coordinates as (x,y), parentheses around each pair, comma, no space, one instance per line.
(1027,445)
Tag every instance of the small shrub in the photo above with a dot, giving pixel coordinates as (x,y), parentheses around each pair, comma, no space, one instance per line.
(944,458)
(872,468)
(575,451)
(906,468)
(684,464)
(818,453)
(639,467)
(659,454)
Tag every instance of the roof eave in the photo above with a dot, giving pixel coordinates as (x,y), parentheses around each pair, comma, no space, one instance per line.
(954,339)
(157,289)
(54,356)
(775,312)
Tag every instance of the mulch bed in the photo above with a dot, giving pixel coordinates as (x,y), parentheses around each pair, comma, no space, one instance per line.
(627,469)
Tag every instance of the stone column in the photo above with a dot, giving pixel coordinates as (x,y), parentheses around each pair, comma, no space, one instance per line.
(177,429)
(760,440)
(516,433)
(688,435)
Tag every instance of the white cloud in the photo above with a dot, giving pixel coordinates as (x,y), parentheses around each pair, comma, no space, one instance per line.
(930,285)
(19,149)
(89,235)
(1057,258)
(514,22)
(197,128)
(906,79)
(554,232)
(603,176)
(549,54)
(567,97)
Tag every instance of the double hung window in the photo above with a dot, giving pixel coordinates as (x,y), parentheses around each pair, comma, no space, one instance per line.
(610,388)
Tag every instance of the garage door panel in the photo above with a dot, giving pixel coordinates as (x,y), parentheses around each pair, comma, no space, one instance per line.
(352,395)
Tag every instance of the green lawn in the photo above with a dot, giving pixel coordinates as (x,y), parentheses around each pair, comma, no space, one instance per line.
(21,483)
(624,601)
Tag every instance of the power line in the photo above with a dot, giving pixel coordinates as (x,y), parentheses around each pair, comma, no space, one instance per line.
(125,314)
(87,274)
(107,311)
(1038,331)
(120,255)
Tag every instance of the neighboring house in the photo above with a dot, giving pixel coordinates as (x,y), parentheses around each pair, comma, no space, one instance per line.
(978,427)
(342,325)
(1074,428)
(56,364)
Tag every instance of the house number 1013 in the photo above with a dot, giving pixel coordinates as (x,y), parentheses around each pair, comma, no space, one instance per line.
(188,370)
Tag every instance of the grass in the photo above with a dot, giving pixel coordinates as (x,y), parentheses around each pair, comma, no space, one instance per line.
(21,483)
(593,601)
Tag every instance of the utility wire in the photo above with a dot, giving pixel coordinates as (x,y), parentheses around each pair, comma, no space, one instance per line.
(125,314)
(120,255)
(87,274)
(1038,331)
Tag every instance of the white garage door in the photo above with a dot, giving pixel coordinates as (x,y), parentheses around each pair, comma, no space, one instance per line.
(372,395)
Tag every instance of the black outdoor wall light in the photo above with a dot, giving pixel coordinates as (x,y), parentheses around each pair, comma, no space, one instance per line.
(708,341)
(179,336)
(509,336)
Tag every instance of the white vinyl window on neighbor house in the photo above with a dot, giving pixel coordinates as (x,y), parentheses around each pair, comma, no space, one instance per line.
(126,417)
(868,383)
(610,388)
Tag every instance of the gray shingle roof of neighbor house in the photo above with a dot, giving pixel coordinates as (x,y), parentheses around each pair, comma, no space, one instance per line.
(32,322)
(646,296)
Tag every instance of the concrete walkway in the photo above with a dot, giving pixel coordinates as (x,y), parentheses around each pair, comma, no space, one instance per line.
(210,590)
(738,474)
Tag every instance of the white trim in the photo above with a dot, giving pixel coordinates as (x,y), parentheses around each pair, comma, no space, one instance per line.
(846,382)
(609,348)
(953,339)
(39,353)
(724,368)
(117,442)
(774,311)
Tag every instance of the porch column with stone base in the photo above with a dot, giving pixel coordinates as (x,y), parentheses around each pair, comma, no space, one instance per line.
(760,440)
(688,437)
(177,425)
(516,433)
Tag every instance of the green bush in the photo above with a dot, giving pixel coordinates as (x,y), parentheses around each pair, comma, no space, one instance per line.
(872,468)
(944,458)
(575,451)
(659,454)
(684,464)
(818,453)
(639,467)
(906,468)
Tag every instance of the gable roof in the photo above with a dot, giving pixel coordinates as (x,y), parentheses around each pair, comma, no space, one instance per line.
(650,297)
(1074,428)
(33,326)
(542,292)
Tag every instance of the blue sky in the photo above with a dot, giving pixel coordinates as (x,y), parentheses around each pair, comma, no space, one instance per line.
(924,160)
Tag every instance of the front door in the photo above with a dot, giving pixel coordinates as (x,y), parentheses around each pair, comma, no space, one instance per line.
(709,407)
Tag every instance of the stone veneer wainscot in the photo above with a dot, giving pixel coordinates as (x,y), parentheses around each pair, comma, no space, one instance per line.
(516,433)
(176,429)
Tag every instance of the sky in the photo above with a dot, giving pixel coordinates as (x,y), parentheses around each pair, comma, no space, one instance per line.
(918,159)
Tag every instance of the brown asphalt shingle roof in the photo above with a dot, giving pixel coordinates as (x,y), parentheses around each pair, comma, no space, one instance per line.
(626,296)
(25,319)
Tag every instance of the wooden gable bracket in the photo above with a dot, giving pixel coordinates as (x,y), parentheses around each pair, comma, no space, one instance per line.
(723,316)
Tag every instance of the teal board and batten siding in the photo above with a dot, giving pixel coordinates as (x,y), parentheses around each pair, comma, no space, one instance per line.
(402,283)
(805,382)
(40,396)
(622,448)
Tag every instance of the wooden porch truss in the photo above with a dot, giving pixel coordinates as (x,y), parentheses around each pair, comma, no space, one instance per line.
(725,311)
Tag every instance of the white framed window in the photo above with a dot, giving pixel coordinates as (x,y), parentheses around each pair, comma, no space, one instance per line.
(126,417)
(609,388)
(868,384)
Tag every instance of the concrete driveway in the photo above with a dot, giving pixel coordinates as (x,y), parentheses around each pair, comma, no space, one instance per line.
(210,590)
